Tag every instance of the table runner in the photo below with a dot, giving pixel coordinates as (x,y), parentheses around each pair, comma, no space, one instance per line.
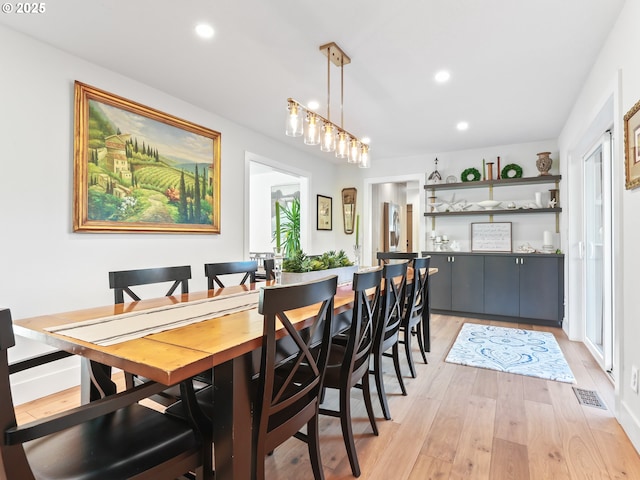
(115,329)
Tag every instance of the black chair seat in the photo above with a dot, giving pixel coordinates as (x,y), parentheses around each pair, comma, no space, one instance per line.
(110,438)
(108,447)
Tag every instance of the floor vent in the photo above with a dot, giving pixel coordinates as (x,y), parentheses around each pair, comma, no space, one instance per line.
(589,398)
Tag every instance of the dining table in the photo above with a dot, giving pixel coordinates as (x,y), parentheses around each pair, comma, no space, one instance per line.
(226,344)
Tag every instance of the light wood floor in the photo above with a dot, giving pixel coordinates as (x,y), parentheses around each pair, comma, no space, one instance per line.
(462,422)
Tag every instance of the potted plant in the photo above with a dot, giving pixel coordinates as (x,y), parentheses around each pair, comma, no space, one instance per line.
(303,268)
(287,234)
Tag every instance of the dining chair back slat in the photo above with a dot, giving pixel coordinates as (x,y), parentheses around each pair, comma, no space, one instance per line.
(288,391)
(213,272)
(122,281)
(394,257)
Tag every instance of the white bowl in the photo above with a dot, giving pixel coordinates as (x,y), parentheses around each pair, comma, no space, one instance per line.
(488,204)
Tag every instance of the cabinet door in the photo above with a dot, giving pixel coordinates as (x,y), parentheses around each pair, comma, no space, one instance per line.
(539,288)
(501,286)
(467,283)
(440,283)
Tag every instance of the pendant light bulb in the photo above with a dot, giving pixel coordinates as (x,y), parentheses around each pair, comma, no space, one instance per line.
(328,137)
(354,151)
(312,132)
(342,147)
(365,160)
(294,120)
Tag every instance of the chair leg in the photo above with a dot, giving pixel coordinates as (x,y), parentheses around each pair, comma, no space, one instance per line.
(420,334)
(407,350)
(382,396)
(366,392)
(347,430)
(396,363)
(313,442)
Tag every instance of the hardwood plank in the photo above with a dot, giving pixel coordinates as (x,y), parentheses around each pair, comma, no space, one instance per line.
(442,439)
(619,456)
(508,461)
(546,456)
(473,456)
(429,468)
(511,423)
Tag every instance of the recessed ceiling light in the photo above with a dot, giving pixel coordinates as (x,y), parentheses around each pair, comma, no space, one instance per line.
(442,76)
(313,105)
(204,30)
(462,126)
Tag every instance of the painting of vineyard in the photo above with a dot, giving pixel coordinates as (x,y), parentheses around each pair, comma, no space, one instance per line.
(138,169)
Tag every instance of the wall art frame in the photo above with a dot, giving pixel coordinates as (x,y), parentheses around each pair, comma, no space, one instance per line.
(491,237)
(324,209)
(632,147)
(137,169)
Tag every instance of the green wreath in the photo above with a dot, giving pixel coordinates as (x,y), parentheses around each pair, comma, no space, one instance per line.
(512,167)
(464,177)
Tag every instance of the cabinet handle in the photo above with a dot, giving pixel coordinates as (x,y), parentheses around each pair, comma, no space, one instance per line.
(517,260)
(453,259)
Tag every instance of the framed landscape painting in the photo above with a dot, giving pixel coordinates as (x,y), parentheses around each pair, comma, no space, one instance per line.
(137,169)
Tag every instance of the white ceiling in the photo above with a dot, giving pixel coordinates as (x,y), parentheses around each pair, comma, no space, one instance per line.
(517,65)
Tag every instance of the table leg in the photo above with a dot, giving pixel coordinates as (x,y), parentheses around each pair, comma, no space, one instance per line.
(95,381)
(232,419)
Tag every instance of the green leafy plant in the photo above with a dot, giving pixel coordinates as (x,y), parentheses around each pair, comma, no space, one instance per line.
(290,228)
(300,262)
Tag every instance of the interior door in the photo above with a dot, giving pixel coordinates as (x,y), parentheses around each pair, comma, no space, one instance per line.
(597,255)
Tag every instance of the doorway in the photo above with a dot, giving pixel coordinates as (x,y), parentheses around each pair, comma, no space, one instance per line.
(265,181)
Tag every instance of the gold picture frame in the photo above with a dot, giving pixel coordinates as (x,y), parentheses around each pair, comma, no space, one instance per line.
(137,169)
(632,147)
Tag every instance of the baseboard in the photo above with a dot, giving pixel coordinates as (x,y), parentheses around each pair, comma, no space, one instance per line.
(630,425)
(33,387)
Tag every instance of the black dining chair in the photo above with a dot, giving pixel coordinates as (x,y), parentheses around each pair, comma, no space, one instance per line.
(213,272)
(349,356)
(288,392)
(388,328)
(394,257)
(414,313)
(269,269)
(121,282)
(114,437)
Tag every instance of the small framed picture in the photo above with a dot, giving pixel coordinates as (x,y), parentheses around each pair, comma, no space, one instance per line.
(325,212)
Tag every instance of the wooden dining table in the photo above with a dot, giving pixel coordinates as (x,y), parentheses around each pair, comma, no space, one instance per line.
(224,344)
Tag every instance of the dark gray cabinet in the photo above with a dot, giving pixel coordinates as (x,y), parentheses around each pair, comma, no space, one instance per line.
(524,286)
(510,287)
(460,287)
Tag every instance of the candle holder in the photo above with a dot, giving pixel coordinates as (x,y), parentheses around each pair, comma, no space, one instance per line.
(277,265)
(356,256)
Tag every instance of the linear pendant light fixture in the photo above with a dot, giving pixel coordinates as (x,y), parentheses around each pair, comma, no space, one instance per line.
(318,130)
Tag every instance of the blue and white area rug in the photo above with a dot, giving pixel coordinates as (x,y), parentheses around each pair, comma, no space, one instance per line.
(511,350)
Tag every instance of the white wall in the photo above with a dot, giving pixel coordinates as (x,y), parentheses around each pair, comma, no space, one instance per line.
(617,73)
(47,268)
